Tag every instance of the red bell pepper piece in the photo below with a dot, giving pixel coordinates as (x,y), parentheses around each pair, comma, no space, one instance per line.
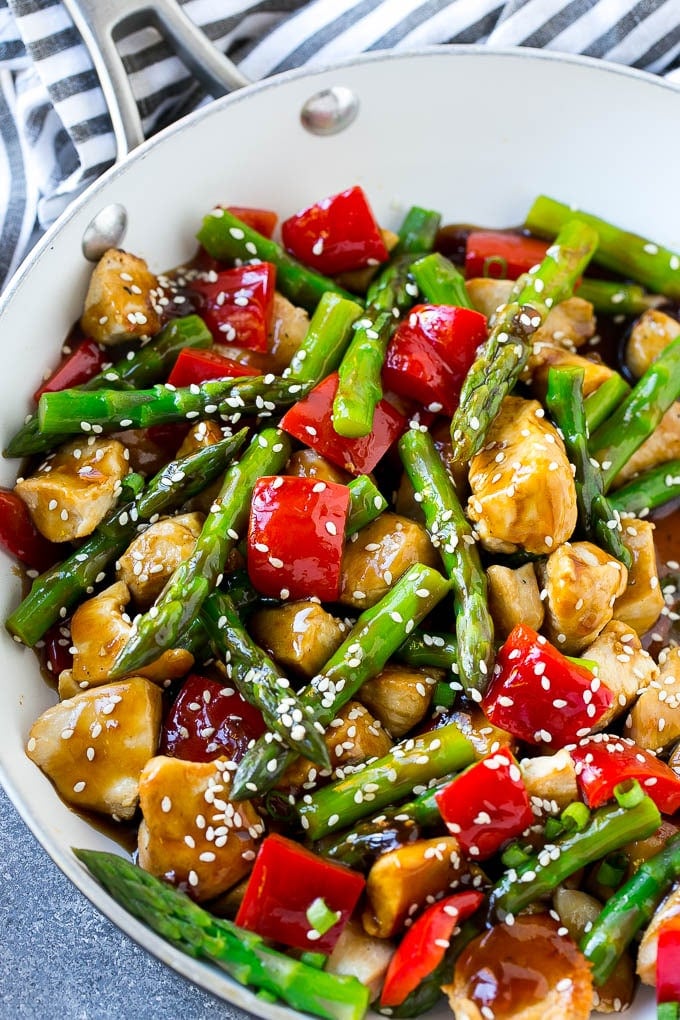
(196,366)
(285,881)
(82,363)
(19,536)
(296,536)
(502,255)
(208,720)
(668,962)
(424,945)
(486,805)
(604,760)
(336,234)
(539,695)
(237,304)
(262,220)
(310,421)
(431,352)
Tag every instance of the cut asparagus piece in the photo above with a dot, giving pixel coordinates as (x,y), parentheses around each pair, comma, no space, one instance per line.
(327,338)
(610,298)
(440,282)
(366,503)
(359,386)
(502,358)
(418,231)
(649,491)
(603,401)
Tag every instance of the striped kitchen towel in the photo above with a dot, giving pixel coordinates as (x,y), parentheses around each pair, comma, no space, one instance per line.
(55,131)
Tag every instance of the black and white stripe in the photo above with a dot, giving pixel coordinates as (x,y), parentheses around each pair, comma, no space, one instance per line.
(55,131)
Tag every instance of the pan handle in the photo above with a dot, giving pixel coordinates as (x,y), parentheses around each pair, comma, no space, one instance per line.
(101,24)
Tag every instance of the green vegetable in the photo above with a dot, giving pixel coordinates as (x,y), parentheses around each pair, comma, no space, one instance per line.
(366,503)
(418,232)
(326,340)
(648,491)
(611,298)
(359,386)
(440,282)
(603,401)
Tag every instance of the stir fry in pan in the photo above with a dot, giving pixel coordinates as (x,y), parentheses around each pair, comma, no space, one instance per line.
(353,559)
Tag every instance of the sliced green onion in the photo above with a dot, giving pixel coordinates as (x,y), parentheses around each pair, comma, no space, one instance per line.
(629,793)
(320,916)
(575,817)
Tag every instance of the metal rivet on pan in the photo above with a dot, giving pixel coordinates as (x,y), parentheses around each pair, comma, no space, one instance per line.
(106,230)
(330,111)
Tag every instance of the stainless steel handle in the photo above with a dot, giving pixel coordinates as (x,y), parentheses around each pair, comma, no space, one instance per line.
(101,24)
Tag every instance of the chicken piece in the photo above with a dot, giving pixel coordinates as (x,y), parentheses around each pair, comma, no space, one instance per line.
(300,636)
(204,433)
(545,356)
(288,330)
(399,696)
(663,445)
(310,464)
(402,881)
(550,780)
(646,960)
(73,490)
(623,666)
(191,834)
(514,598)
(578,912)
(642,601)
(570,323)
(651,333)
(581,584)
(99,629)
(94,746)
(352,737)
(150,559)
(378,555)
(362,956)
(523,493)
(523,971)
(122,299)
(483,735)
(654,720)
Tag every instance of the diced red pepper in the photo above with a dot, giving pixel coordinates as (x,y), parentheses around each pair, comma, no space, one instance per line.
(539,695)
(310,421)
(208,720)
(603,760)
(423,946)
(336,234)
(196,366)
(261,220)
(296,537)
(486,805)
(85,361)
(237,306)
(502,255)
(431,352)
(668,962)
(19,536)
(285,881)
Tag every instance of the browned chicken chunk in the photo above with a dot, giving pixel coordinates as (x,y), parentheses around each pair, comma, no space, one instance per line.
(300,636)
(523,493)
(94,746)
(72,491)
(122,299)
(581,584)
(642,601)
(651,333)
(654,720)
(310,464)
(550,781)
(362,956)
(570,323)
(289,328)
(514,598)
(150,559)
(546,356)
(399,696)
(192,834)
(663,445)
(623,666)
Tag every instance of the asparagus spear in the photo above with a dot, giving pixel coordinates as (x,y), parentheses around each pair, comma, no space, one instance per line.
(423,648)
(226,237)
(611,298)
(626,253)
(598,519)
(194,579)
(452,534)
(630,909)
(440,282)
(506,352)
(608,829)
(241,953)
(393,290)
(603,401)
(366,503)
(648,491)
(359,387)
(59,588)
(410,763)
(151,362)
(326,340)
(77,412)
(376,635)
(638,415)
(260,682)
(418,231)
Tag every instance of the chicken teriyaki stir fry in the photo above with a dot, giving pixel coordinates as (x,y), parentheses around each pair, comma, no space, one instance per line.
(352,558)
